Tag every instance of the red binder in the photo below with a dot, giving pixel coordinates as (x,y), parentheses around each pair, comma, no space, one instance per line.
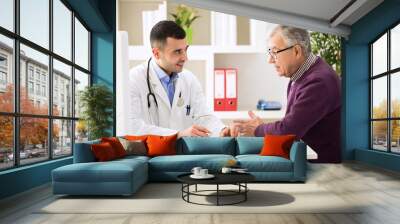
(230,89)
(219,90)
(225,89)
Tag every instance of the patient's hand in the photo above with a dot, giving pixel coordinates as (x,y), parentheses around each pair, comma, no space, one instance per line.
(231,131)
(246,127)
(225,132)
(194,130)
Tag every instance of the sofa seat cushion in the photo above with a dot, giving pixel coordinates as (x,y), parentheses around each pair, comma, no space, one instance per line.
(132,158)
(112,171)
(257,163)
(185,163)
(205,146)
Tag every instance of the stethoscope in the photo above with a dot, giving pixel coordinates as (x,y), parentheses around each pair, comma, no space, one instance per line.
(150,94)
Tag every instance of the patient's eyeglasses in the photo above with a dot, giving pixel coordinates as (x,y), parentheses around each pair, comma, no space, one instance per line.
(274,54)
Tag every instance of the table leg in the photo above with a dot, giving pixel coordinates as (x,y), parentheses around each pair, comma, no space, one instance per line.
(245,191)
(217,194)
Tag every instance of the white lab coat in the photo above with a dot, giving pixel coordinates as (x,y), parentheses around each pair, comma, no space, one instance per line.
(167,120)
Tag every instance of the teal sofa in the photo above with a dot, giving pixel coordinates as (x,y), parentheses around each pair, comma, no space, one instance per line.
(125,176)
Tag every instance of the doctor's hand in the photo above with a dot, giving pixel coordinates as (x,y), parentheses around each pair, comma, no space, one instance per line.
(247,127)
(194,130)
(231,131)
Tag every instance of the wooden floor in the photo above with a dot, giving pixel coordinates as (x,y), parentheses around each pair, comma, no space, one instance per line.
(377,188)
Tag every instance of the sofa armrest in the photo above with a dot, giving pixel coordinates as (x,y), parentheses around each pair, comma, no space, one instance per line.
(83,152)
(298,155)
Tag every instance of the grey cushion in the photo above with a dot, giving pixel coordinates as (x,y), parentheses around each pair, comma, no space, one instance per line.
(135,147)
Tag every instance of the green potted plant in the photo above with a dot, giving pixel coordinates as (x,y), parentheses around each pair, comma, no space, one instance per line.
(96,102)
(328,47)
(184,17)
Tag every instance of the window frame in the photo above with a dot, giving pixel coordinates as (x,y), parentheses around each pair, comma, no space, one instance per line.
(16,114)
(388,74)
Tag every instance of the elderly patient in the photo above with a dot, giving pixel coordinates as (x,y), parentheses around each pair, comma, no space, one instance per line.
(313,95)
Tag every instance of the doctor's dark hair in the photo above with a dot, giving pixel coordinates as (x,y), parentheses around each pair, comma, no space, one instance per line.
(164,29)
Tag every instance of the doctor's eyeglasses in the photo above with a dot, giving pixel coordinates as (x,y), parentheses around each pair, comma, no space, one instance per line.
(274,54)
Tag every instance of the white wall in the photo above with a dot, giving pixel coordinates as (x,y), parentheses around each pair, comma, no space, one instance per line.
(256,78)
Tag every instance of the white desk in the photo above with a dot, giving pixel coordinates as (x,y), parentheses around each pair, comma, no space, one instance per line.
(269,115)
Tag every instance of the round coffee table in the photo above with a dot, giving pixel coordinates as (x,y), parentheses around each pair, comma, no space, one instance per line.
(238,179)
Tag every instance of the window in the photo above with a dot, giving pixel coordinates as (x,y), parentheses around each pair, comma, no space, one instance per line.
(40,83)
(43,77)
(3,72)
(37,74)
(3,78)
(81,81)
(62,31)
(33,149)
(38,89)
(62,137)
(385,95)
(34,21)
(62,74)
(3,61)
(6,142)
(6,74)
(44,91)
(30,72)
(81,45)
(7,14)
(30,88)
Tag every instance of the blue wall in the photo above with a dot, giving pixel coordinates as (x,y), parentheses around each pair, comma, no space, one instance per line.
(24,178)
(356,84)
(99,16)
(103,51)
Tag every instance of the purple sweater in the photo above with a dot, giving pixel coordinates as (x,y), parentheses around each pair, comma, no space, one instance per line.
(313,112)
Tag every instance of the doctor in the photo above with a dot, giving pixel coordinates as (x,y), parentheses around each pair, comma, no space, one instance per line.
(164,98)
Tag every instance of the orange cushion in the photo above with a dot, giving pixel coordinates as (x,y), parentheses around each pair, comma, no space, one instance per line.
(161,145)
(277,145)
(116,145)
(103,152)
(135,138)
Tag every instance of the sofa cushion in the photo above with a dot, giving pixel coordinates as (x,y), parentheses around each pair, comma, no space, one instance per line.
(185,163)
(161,145)
(277,145)
(134,147)
(116,145)
(249,145)
(257,163)
(212,145)
(112,171)
(103,152)
(142,138)
(83,152)
(129,159)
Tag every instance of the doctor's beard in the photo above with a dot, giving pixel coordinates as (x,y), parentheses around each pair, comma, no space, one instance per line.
(170,68)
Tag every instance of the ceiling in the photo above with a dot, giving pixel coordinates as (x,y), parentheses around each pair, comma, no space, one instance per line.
(328,16)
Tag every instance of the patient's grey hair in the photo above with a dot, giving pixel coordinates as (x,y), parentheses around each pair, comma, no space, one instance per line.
(292,36)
